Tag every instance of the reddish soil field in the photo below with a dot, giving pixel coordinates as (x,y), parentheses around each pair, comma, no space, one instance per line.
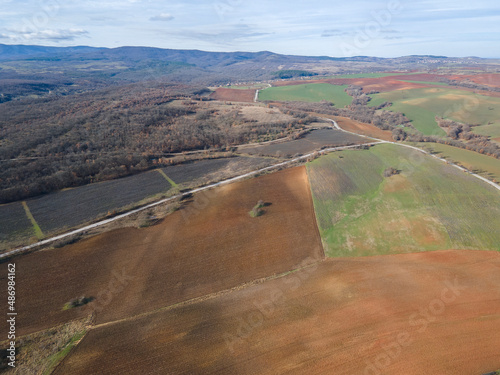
(234,95)
(210,245)
(360,127)
(482,79)
(425,77)
(412,314)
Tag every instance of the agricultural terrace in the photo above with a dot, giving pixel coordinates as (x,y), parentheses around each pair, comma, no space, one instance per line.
(190,254)
(482,164)
(311,92)
(428,205)
(339,317)
(423,105)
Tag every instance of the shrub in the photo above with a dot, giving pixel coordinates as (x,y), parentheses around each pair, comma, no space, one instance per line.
(76,302)
(257,209)
(388,172)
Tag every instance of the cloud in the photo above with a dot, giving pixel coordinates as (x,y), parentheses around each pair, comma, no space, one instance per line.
(162,17)
(47,34)
(333,32)
(225,35)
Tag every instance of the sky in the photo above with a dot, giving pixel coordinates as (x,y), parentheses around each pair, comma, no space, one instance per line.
(383,28)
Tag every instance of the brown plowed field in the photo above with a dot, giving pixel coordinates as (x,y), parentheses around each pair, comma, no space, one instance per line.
(412,314)
(210,245)
(234,95)
(360,127)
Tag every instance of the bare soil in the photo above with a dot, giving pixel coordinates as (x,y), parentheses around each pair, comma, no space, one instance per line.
(362,128)
(209,245)
(412,314)
(234,95)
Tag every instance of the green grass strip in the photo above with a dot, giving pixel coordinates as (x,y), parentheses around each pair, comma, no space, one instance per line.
(427,82)
(58,357)
(170,181)
(38,232)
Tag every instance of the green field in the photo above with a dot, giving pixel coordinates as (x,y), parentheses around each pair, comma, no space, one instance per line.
(492,130)
(422,105)
(429,205)
(312,92)
(485,165)
(427,83)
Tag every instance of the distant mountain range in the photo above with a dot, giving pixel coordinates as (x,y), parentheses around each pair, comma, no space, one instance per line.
(196,57)
(40,69)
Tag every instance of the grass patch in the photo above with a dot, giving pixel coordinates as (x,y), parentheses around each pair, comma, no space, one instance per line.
(422,105)
(493,130)
(427,83)
(482,164)
(56,358)
(41,352)
(427,206)
(170,181)
(38,232)
(311,92)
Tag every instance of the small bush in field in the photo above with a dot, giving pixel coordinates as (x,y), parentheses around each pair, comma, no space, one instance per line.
(257,209)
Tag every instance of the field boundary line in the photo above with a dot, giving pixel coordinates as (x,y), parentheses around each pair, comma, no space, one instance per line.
(38,231)
(210,296)
(186,193)
(170,181)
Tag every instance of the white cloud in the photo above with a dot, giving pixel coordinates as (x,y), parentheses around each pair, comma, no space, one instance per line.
(47,34)
(162,17)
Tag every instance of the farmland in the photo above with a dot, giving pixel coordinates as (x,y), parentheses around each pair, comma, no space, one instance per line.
(308,93)
(312,141)
(473,161)
(234,94)
(344,316)
(204,171)
(70,208)
(190,254)
(427,206)
(13,223)
(422,105)
(361,128)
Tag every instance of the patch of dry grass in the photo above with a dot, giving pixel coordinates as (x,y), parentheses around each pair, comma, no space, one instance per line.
(39,353)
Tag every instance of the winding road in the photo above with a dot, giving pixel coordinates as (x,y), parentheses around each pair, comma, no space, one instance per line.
(233,179)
